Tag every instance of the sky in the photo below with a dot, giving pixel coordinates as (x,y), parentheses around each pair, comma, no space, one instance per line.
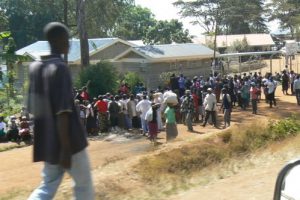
(164,10)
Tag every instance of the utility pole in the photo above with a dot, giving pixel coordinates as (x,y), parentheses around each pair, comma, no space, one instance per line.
(83,36)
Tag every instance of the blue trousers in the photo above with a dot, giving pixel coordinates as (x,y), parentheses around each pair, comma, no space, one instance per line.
(53,174)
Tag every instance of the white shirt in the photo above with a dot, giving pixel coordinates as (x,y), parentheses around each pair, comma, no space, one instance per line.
(210,102)
(2,126)
(271,86)
(143,106)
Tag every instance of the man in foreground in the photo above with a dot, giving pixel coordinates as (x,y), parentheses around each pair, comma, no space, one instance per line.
(59,138)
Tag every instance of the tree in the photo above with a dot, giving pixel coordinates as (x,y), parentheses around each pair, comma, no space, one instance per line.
(226,16)
(102,78)
(83,36)
(132,79)
(102,16)
(288,14)
(133,23)
(27,18)
(3,21)
(166,32)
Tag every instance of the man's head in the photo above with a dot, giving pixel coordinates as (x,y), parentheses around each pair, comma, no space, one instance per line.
(209,90)
(57,35)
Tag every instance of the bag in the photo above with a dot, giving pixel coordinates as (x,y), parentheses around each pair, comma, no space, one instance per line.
(149,115)
(170,98)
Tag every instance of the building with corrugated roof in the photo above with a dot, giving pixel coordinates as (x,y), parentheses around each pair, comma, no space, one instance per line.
(151,61)
(148,61)
(257,42)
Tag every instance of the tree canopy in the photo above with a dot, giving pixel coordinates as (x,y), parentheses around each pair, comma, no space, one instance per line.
(134,23)
(228,16)
(166,32)
(288,14)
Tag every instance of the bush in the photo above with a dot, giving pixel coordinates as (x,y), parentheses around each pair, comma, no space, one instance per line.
(233,143)
(132,79)
(100,78)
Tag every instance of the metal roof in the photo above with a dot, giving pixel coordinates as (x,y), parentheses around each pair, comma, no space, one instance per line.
(228,40)
(175,51)
(41,48)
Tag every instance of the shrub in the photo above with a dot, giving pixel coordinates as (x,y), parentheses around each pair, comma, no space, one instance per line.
(132,79)
(100,78)
(232,143)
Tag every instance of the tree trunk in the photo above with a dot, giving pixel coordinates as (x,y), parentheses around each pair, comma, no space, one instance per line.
(83,36)
(66,23)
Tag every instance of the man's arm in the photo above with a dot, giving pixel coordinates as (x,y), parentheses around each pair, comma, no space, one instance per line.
(63,125)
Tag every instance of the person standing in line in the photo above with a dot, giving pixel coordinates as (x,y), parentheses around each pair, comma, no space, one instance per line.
(254,92)
(297,88)
(226,106)
(153,128)
(187,106)
(59,138)
(210,105)
(271,86)
(114,110)
(171,127)
(102,107)
(132,113)
(285,82)
(143,106)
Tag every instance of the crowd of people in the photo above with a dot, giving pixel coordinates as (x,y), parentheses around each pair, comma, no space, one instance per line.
(199,99)
(16,129)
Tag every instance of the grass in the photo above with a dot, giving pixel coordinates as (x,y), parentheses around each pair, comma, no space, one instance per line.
(13,146)
(234,143)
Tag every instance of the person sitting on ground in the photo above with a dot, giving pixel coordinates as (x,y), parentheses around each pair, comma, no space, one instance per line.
(24,130)
(13,131)
(2,129)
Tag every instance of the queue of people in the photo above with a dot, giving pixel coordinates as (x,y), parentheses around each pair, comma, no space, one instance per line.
(199,100)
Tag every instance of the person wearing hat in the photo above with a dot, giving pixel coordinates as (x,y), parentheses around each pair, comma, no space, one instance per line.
(254,92)
(210,105)
(187,107)
(226,106)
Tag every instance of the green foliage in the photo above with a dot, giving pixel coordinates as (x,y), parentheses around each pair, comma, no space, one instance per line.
(166,32)
(239,46)
(101,78)
(27,18)
(287,12)
(132,79)
(133,23)
(284,128)
(230,16)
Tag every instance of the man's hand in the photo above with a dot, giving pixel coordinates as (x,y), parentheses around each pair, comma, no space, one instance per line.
(64,139)
(65,159)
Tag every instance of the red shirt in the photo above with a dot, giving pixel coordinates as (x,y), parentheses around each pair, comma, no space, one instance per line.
(102,106)
(84,95)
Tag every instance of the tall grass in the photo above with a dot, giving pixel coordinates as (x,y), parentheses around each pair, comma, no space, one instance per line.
(235,142)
